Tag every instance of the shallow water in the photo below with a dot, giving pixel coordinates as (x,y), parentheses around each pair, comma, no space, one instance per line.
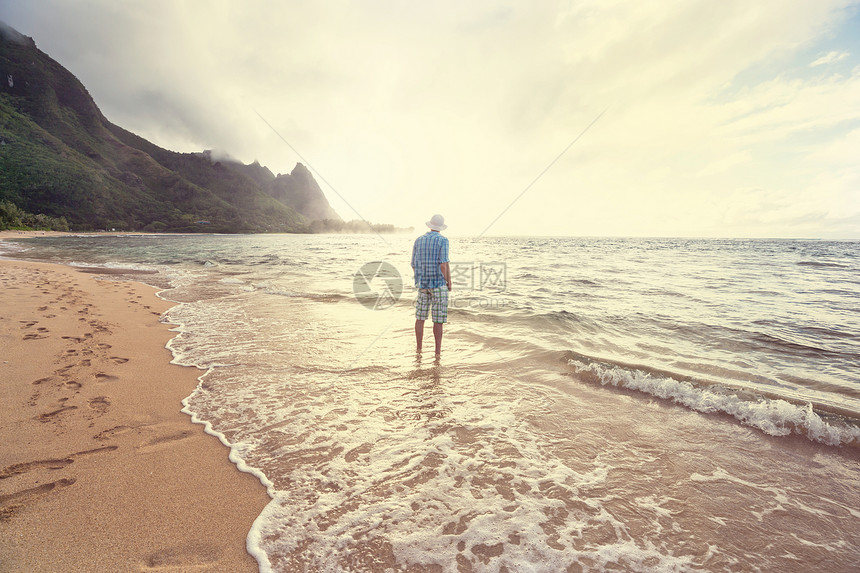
(600,404)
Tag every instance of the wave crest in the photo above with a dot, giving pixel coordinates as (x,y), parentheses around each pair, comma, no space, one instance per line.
(775,417)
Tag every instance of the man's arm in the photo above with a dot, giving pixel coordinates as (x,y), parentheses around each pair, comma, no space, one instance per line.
(446,272)
(414,270)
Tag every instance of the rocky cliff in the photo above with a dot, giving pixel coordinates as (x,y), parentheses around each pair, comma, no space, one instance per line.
(61,158)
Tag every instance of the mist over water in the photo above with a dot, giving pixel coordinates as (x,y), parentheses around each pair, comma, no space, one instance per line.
(599,405)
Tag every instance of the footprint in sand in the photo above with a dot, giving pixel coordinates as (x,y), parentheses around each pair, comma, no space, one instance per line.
(64,370)
(51,464)
(11,503)
(16,469)
(165,435)
(99,404)
(33,336)
(182,557)
(78,339)
(119,360)
(48,416)
(73,385)
(111,432)
(102,376)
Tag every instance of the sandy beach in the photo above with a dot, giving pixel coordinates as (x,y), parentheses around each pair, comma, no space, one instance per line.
(99,469)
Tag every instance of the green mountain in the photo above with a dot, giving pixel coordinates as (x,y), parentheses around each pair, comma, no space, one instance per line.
(63,163)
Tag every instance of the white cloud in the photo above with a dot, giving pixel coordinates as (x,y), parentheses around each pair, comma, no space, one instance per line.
(830,58)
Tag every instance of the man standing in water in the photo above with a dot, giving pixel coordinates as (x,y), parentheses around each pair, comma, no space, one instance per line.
(432,279)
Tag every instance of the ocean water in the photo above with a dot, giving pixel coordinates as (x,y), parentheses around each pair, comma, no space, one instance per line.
(599,404)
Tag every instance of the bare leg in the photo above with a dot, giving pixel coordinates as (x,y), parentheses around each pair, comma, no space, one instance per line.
(419,334)
(437,336)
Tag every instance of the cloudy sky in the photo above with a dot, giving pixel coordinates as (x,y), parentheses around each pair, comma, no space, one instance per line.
(722,118)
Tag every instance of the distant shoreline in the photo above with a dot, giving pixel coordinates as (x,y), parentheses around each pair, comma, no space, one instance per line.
(32,234)
(11,234)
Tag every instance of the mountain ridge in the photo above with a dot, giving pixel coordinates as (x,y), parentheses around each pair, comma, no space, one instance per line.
(62,159)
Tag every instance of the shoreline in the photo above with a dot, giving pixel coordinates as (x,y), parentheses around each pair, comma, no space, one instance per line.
(99,468)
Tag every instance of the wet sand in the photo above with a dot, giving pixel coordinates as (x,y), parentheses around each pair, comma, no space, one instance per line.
(99,469)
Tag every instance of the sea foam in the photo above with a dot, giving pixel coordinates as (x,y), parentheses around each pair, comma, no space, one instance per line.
(775,417)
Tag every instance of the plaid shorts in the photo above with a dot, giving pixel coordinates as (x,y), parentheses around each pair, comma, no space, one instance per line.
(435,299)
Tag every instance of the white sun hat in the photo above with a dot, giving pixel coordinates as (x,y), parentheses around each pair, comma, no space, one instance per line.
(437,223)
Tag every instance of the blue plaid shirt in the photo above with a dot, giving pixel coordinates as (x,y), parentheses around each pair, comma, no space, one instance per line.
(429,251)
